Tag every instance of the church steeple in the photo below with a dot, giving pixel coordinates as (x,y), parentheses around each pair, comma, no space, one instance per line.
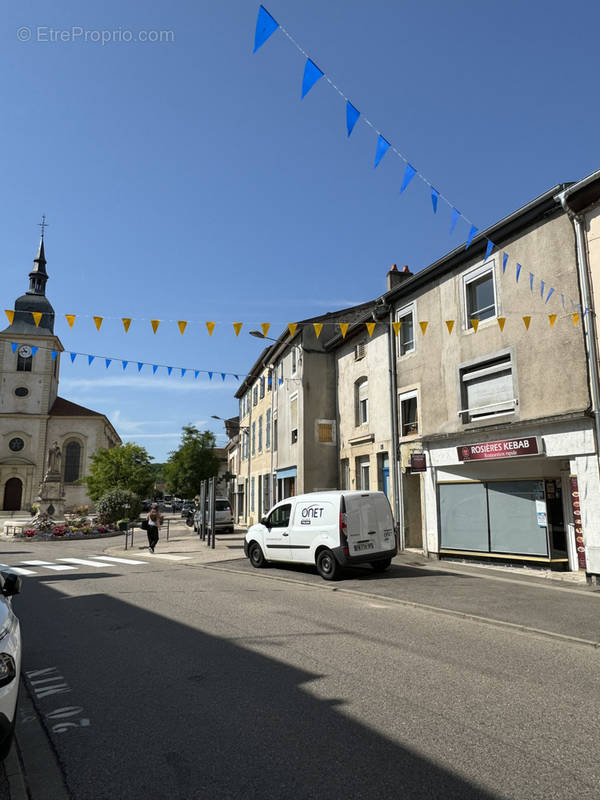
(35,300)
(38,275)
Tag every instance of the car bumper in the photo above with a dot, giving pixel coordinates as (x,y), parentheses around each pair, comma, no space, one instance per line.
(346,560)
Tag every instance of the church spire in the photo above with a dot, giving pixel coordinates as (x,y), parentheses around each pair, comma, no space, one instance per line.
(38,275)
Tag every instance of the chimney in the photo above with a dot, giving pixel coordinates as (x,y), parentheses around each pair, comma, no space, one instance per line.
(395,277)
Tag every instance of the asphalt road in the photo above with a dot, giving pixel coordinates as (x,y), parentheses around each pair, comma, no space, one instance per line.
(166,680)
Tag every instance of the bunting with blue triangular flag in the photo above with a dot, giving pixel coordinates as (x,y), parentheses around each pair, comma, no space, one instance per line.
(14,346)
(352,115)
(455,215)
(382,148)
(223,375)
(154,368)
(73,356)
(140,365)
(531,277)
(489,248)
(34,350)
(108,360)
(124,363)
(169,370)
(210,376)
(518,271)
(54,354)
(183,371)
(311,75)
(90,359)
(196,373)
(434,199)
(409,174)
(472,233)
(265,27)
(550,293)
(504,261)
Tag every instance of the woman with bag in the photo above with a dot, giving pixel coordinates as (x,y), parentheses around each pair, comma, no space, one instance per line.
(154,521)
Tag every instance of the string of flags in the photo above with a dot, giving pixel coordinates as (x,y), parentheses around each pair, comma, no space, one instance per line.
(293,326)
(266,25)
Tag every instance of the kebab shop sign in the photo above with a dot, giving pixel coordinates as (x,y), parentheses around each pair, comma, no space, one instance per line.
(506,448)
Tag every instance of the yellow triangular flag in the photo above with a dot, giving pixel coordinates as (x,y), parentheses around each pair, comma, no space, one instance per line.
(292,328)
(552,319)
(126,323)
(155,323)
(501,322)
(210,326)
(396,326)
(527,321)
(10,314)
(70,319)
(264,326)
(423,327)
(98,321)
(37,317)
(181,325)
(450,325)
(343,328)
(575,318)
(237,327)
(370,328)
(318,326)
(474,324)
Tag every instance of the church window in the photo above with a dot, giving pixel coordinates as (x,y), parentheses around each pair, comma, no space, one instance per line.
(72,462)
(21,391)
(24,364)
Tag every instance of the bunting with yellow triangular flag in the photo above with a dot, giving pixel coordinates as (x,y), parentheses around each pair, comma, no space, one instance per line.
(450,325)
(370,328)
(474,323)
(155,323)
(552,319)
(343,328)
(501,323)
(396,326)
(181,324)
(318,326)
(10,314)
(126,323)
(210,326)
(98,322)
(70,319)
(237,327)
(527,321)
(423,325)
(264,326)
(292,328)
(37,318)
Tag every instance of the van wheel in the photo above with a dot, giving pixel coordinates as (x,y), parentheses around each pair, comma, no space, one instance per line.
(383,564)
(327,567)
(256,556)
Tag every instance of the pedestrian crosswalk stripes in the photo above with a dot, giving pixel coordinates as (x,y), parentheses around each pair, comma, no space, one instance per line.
(37,566)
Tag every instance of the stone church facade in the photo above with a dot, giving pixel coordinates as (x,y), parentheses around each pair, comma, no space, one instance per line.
(32,415)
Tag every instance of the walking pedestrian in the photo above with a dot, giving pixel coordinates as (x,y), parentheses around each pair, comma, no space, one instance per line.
(154,522)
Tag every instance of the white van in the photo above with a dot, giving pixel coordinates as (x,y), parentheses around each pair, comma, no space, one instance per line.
(329,529)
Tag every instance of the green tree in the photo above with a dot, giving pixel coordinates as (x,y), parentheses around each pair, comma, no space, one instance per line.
(194,461)
(125,467)
(118,504)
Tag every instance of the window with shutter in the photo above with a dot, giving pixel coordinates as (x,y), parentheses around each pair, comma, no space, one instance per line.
(360,351)
(487,389)
(294,418)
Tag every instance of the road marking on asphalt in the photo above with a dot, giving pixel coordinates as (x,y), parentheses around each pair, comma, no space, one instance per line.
(119,560)
(18,570)
(83,562)
(48,565)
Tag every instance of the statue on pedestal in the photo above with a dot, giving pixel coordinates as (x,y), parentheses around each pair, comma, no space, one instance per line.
(54,462)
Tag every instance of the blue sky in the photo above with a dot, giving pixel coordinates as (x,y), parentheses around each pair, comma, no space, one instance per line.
(186,180)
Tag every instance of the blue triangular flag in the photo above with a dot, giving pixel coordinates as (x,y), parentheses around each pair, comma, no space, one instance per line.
(169,370)
(54,354)
(108,360)
(434,199)
(489,248)
(265,27)
(504,261)
(14,346)
(90,359)
(382,148)
(472,233)
(73,356)
(542,287)
(352,115)
(531,276)
(237,377)
(269,381)
(183,371)
(210,376)
(196,373)
(311,75)
(455,215)
(550,293)
(154,368)
(124,363)
(140,365)
(223,375)
(562,297)
(409,174)
(34,350)
(518,271)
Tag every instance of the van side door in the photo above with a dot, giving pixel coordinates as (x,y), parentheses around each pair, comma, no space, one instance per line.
(314,523)
(277,542)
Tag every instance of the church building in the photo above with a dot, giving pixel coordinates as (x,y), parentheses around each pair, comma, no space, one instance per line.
(33,418)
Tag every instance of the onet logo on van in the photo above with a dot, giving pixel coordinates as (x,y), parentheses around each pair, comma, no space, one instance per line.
(309,513)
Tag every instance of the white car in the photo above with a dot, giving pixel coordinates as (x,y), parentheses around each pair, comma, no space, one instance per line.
(328,529)
(223,516)
(10,660)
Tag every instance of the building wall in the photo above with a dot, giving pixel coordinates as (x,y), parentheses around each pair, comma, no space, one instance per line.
(374,437)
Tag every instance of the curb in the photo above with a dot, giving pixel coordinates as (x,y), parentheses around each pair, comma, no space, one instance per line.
(498,623)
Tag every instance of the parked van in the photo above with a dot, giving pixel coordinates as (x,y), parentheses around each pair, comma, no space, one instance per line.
(328,529)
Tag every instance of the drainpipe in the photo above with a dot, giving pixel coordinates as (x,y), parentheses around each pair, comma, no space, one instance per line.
(588,319)
(396,480)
